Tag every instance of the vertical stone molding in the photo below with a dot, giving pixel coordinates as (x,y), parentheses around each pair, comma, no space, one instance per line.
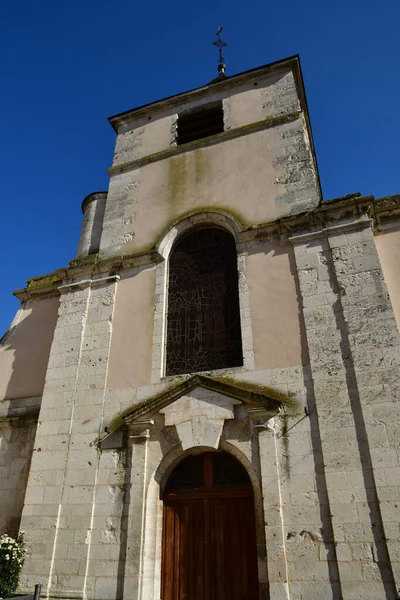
(272,505)
(136,511)
(343,292)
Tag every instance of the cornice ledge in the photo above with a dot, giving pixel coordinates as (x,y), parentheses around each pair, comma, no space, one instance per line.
(92,282)
(354,211)
(81,273)
(291,63)
(208,141)
(357,224)
(353,208)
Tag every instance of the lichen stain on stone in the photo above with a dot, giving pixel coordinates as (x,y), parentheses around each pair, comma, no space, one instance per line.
(199,164)
(178,175)
(186,173)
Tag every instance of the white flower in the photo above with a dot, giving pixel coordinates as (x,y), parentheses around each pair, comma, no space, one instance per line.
(7,557)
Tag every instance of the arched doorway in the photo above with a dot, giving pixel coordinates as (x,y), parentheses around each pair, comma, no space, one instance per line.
(209,538)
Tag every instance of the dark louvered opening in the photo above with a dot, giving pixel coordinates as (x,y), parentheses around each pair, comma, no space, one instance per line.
(201,123)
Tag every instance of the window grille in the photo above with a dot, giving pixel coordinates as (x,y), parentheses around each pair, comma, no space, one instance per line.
(207,470)
(203,321)
(200,123)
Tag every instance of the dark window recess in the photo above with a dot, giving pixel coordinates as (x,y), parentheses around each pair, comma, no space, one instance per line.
(203,322)
(188,475)
(201,123)
(208,470)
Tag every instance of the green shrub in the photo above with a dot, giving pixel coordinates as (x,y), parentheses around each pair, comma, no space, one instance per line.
(12,556)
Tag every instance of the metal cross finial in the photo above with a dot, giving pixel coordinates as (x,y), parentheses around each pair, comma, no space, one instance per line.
(220,44)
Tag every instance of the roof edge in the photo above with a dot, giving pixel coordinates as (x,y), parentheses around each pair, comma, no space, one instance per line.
(278,65)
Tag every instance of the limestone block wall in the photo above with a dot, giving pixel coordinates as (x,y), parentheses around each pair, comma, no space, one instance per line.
(354,354)
(16,445)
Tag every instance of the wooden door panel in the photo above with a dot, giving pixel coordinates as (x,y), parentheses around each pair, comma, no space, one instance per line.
(233,548)
(209,550)
(184,538)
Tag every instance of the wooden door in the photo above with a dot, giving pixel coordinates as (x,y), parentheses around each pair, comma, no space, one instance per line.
(209,543)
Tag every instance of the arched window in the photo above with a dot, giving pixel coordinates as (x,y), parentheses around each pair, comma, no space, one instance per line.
(203,322)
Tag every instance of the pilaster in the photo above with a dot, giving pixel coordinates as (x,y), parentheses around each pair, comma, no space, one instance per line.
(273,516)
(62,492)
(350,328)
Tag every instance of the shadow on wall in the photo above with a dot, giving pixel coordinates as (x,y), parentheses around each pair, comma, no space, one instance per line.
(25,349)
(24,354)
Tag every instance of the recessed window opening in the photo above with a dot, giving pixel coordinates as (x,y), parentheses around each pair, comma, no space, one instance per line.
(200,123)
(203,321)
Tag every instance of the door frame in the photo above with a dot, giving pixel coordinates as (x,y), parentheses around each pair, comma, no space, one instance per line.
(173,498)
(147,527)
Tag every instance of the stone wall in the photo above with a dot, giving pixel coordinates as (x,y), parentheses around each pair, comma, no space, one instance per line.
(355,357)
(16,446)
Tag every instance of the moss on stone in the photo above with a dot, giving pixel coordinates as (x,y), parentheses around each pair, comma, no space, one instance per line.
(82,261)
(291,405)
(44,281)
(118,420)
(178,172)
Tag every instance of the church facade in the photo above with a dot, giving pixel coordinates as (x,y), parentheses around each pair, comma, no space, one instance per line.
(205,403)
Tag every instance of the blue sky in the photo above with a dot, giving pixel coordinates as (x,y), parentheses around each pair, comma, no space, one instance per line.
(66,66)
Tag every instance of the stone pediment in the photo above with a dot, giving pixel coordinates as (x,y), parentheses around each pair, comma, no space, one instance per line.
(226,393)
(199,406)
